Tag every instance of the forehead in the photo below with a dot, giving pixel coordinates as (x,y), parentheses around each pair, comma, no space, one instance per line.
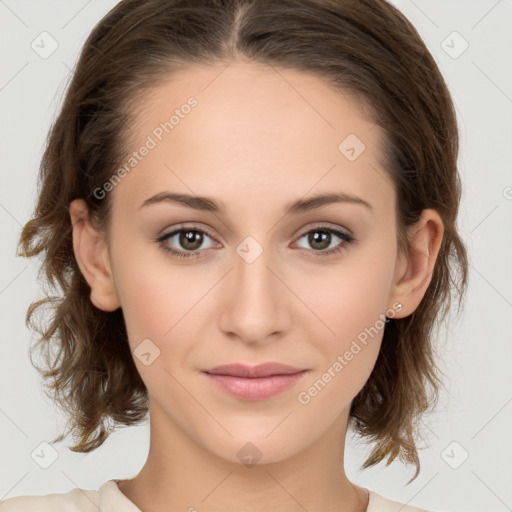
(254,129)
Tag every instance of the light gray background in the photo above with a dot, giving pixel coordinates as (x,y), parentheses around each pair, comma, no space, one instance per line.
(476,414)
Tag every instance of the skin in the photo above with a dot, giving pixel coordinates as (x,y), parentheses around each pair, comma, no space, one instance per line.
(257,140)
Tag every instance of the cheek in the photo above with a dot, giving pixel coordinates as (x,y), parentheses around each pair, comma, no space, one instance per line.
(348,302)
(347,324)
(154,292)
(349,351)
(157,310)
(164,303)
(146,309)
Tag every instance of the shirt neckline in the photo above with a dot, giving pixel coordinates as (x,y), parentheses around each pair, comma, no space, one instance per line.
(111,498)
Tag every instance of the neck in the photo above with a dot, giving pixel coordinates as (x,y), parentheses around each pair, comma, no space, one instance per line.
(181,474)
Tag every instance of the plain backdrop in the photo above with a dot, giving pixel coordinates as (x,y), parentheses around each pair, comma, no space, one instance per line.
(466,461)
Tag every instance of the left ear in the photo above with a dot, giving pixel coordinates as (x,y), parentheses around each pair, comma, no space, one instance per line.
(413,272)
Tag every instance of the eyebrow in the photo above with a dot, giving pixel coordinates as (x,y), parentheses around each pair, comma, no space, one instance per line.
(211,205)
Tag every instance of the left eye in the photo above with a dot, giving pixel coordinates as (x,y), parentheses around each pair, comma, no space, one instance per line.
(322,236)
(191,239)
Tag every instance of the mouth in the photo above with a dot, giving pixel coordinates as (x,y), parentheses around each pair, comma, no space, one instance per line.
(255,382)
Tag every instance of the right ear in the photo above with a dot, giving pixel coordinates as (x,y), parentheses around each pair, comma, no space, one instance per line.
(91,254)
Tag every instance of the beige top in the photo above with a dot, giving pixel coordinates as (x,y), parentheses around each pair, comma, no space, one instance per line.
(109,498)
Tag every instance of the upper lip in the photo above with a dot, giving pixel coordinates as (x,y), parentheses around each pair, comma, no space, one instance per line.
(261,370)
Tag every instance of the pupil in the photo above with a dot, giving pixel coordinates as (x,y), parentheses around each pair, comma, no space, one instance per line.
(323,237)
(188,238)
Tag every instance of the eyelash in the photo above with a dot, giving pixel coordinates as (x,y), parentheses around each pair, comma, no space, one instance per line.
(346,237)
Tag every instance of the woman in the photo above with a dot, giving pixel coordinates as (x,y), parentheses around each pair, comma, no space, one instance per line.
(250,210)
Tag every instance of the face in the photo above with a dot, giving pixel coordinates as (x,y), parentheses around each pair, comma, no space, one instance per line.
(253,280)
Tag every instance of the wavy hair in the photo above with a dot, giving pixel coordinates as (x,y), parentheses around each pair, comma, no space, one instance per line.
(366,48)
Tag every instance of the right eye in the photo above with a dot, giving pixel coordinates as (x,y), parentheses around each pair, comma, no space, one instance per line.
(189,238)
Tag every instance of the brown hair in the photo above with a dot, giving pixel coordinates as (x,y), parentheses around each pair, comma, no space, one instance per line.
(364,47)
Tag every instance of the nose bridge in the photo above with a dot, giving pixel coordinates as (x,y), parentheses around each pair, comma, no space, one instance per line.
(253,305)
(252,268)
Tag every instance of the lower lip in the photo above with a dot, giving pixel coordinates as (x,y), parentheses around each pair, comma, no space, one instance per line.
(258,388)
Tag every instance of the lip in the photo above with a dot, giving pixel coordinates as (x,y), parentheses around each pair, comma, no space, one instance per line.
(255,382)
(247,371)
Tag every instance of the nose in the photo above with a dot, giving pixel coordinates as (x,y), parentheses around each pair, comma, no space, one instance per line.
(254,300)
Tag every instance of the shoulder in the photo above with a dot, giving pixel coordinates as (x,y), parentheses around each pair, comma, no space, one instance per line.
(76,500)
(378,503)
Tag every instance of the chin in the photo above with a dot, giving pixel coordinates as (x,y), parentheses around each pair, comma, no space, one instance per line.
(254,450)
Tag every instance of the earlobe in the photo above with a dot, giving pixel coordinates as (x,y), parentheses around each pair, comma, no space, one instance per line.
(415,270)
(91,254)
